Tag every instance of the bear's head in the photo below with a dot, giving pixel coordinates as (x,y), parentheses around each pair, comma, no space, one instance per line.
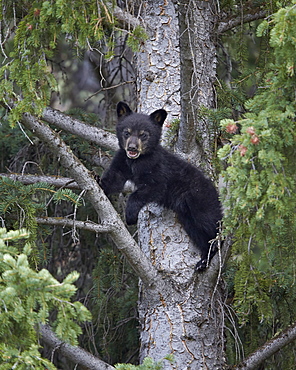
(138,134)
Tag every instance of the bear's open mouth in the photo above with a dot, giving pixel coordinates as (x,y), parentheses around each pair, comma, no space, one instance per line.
(133,154)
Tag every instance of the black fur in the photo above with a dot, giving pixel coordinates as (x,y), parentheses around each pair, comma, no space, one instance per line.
(163,178)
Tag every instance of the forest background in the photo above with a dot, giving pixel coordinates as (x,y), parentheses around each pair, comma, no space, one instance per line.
(80,60)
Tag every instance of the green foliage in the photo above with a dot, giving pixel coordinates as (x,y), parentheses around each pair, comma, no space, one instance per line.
(24,202)
(11,140)
(148,364)
(20,205)
(260,194)
(27,297)
(27,79)
(171,133)
(136,37)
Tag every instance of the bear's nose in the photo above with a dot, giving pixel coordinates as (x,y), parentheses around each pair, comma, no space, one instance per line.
(132,146)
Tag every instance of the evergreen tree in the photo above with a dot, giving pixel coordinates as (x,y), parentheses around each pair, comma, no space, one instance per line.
(259,194)
(260,190)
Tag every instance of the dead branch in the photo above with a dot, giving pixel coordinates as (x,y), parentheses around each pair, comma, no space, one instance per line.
(226,25)
(126,19)
(66,222)
(56,181)
(268,349)
(75,354)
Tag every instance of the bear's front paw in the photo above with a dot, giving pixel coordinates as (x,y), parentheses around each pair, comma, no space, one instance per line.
(131,217)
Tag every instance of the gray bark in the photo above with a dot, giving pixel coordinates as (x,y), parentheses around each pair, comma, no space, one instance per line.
(159,61)
(82,129)
(198,74)
(187,322)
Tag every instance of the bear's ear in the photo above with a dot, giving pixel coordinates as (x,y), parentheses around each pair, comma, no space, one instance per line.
(123,109)
(158,116)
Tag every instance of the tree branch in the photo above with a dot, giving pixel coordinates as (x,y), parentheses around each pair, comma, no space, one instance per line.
(234,22)
(268,349)
(76,354)
(56,181)
(122,238)
(126,19)
(66,222)
(83,130)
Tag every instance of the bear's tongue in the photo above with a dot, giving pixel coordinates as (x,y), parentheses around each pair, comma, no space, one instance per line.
(133,154)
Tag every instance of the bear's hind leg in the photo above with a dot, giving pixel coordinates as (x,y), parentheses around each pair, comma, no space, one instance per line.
(201,229)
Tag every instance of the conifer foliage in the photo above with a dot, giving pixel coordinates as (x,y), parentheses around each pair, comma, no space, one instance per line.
(260,192)
(259,196)
(26,73)
(27,298)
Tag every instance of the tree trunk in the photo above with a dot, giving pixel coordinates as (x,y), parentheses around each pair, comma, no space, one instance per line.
(159,60)
(198,73)
(186,320)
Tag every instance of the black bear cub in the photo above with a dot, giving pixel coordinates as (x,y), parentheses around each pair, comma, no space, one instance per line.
(163,178)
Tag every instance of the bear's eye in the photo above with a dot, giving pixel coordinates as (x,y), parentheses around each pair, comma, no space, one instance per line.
(143,136)
(126,134)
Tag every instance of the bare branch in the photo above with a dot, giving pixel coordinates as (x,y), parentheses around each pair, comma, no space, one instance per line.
(81,129)
(109,88)
(268,349)
(75,354)
(234,22)
(122,238)
(56,181)
(125,18)
(66,222)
